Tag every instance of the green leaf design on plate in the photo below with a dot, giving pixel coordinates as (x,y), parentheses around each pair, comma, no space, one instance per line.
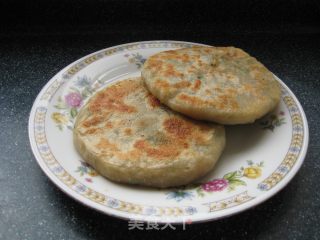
(73,112)
(231,175)
(200,192)
(237,182)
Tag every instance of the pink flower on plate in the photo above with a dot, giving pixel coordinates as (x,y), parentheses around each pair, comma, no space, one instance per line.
(215,185)
(73,99)
(88,180)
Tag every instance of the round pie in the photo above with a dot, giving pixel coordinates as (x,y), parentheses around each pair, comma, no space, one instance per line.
(221,84)
(128,136)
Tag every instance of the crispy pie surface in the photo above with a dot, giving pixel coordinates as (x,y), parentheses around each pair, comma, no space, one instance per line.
(128,136)
(220,84)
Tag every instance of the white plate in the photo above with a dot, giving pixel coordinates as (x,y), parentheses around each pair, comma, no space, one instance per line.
(259,159)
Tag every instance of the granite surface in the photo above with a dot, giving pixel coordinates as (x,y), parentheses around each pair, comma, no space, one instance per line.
(31,207)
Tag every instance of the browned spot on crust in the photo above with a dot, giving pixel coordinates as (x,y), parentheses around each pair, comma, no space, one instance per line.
(162,84)
(171,72)
(163,151)
(153,101)
(154,63)
(181,84)
(192,100)
(222,102)
(105,144)
(93,121)
(196,85)
(178,127)
(112,99)
(128,131)
(109,125)
(248,88)
(225,101)
(92,130)
(183,132)
(185,58)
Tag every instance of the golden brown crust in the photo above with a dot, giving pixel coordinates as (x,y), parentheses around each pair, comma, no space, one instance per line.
(178,128)
(113,99)
(209,83)
(153,101)
(128,136)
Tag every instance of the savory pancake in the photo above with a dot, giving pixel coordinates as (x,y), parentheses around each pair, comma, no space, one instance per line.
(128,136)
(220,84)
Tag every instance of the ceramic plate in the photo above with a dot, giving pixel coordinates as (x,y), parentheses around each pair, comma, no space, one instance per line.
(259,159)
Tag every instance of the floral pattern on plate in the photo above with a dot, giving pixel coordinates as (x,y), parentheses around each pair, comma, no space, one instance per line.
(136,58)
(85,170)
(69,104)
(230,181)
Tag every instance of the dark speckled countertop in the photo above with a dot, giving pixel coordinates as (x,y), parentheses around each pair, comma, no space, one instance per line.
(37,40)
